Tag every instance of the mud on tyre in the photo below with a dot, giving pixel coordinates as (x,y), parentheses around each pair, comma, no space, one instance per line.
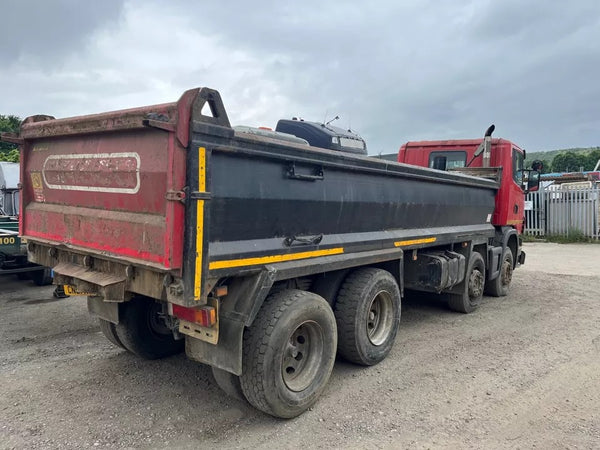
(288,353)
(474,283)
(142,331)
(367,312)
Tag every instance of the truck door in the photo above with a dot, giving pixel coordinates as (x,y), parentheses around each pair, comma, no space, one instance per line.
(515,189)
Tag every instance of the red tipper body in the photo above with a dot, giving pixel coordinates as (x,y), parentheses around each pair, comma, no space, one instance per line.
(509,210)
(114,192)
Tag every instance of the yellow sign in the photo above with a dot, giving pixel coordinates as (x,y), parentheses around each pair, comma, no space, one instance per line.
(36,180)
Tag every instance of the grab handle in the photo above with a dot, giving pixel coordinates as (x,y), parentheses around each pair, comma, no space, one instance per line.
(317,175)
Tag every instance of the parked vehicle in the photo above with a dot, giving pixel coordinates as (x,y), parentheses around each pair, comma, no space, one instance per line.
(323,135)
(488,157)
(483,157)
(13,254)
(267,257)
(9,190)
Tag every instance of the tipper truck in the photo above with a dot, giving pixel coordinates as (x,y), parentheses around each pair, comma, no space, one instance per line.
(262,257)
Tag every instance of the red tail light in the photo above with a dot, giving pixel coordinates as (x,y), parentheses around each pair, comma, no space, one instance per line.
(205,316)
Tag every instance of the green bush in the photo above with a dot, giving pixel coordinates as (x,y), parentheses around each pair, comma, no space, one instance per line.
(10,156)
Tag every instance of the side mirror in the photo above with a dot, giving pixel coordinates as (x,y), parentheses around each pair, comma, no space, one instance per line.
(531,181)
(479,150)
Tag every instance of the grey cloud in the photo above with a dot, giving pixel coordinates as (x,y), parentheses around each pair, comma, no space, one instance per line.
(48,30)
(538,21)
(447,68)
(396,71)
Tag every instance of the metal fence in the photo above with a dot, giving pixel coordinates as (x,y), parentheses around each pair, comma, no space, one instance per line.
(563,210)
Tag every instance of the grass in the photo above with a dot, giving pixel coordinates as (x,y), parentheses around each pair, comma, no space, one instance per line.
(574,236)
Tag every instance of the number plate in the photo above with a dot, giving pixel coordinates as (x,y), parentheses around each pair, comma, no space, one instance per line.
(72,291)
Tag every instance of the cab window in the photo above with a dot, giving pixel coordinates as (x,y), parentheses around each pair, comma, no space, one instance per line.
(447,160)
(518,165)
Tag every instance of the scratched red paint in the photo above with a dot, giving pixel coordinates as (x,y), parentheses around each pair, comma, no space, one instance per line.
(132,165)
(116,171)
(105,248)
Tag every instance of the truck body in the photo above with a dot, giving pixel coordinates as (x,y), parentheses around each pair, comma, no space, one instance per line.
(264,256)
(457,154)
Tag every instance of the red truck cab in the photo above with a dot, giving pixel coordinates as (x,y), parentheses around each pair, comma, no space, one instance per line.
(455,154)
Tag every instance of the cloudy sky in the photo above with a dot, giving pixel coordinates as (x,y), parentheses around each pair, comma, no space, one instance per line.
(394,70)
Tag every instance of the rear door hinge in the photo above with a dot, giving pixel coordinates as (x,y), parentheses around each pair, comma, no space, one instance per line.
(175,196)
(160,124)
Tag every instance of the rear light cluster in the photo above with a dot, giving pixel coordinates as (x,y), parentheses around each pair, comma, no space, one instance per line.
(205,316)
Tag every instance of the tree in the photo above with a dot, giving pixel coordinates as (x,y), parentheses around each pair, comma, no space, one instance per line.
(592,159)
(546,166)
(8,151)
(569,162)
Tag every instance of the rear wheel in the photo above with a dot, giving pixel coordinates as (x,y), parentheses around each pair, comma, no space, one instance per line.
(289,352)
(142,331)
(367,312)
(470,299)
(109,331)
(500,286)
(42,277)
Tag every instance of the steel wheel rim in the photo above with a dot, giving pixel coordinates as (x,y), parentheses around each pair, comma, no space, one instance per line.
(156,324)
(380,317)
(506,273)
(476,283)
(303,356)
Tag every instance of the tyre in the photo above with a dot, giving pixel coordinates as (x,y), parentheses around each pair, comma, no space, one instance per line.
(229,383)
(470,299)
(109,331)
(42,277)
(143,332)
(500,286)
(367,312)
(59,292)
(328,285)
(288,353)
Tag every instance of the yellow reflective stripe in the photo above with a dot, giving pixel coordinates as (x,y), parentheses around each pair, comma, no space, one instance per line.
(428,240)
(514,222)
(202,169)
(273,258)
(200,222)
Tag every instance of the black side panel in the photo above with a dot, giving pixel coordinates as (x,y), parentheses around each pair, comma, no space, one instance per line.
(267,203)
(257,208)
(252,198)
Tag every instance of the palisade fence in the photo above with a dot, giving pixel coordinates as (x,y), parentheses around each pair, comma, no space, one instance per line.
(566,210)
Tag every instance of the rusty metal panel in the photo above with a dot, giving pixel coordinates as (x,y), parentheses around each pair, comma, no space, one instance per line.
(104,182)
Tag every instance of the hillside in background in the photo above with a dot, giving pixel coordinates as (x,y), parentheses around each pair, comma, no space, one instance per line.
(566,160)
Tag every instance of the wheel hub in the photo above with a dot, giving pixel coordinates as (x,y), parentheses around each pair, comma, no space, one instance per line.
(476,283)
(302,356)
(380,318)
(155,321)
(507,271)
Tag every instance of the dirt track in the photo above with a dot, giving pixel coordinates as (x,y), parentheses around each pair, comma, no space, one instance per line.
(520,372)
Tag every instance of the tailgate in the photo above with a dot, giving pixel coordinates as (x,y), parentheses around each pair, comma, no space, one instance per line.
(109,184)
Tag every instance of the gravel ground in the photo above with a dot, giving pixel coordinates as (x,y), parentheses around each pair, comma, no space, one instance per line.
(521,372)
